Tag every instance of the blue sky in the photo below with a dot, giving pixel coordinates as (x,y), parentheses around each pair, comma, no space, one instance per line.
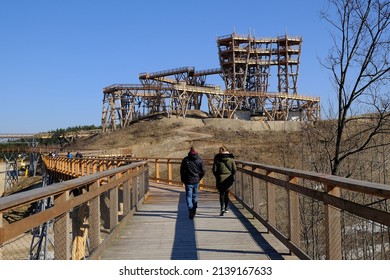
(57,56)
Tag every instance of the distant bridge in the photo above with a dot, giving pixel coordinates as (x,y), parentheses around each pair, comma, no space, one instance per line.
(17,136)
(31,139)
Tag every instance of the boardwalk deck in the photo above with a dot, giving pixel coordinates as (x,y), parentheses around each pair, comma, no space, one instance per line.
(161,230)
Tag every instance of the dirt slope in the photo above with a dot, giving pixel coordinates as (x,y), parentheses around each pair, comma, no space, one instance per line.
(266,142)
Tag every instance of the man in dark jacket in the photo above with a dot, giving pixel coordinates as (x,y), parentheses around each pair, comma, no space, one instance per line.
(192,170)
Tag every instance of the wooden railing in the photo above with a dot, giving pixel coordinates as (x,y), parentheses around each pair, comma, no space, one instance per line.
(317,216)
(345,218)
(90,206)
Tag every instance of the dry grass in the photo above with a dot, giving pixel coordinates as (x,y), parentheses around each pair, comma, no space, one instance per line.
(172,137)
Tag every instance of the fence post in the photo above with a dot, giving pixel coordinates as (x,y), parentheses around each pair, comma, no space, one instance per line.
(1,226)
(94,218)
(77,170)
(127,194)
(271,205)
(62,227)
(145,176)
(256,192)
(82,167)
(157,170)
(134,189)
(113,204)
(169,171)
(333,227)
(141,182)
(293,205)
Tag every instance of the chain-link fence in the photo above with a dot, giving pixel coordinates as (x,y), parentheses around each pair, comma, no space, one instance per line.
(318,216)
(70,219)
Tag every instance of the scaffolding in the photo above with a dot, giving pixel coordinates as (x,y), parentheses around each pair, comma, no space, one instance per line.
(246,66)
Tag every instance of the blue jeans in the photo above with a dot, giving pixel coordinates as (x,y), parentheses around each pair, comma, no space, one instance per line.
(192,196)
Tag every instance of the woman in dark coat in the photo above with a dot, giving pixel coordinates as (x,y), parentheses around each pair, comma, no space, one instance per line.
(224,168)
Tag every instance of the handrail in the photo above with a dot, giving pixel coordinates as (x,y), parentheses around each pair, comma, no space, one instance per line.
(280,198)
(316,216)
(91,205)
(270,193)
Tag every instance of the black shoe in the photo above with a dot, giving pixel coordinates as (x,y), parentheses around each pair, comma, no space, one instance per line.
(222,212)
(192,214)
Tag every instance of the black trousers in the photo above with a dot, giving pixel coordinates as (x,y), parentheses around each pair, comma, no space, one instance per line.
(223,189)
(224,199)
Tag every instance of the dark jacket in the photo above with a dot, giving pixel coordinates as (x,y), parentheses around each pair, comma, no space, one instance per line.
(224,168)
(192,169)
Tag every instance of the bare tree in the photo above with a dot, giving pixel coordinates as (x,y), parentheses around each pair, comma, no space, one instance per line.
(359,65)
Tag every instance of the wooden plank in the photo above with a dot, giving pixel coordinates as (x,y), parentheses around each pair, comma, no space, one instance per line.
(161,230)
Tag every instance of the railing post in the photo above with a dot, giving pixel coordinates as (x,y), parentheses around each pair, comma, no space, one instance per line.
(239,181)
(293,207)
(255,192)
(82,167)
(333,227)
(62,227)
(95,166)
(113,205)
(120,193)
(76,168)
(127,194)
(271,205)
(157,170)
(87,167)
(94,218)
(141,182)
(134,189)
(135,186)
(169,171)
(72,168)
(146,177)
(242,190)
(1,226)
(247,186)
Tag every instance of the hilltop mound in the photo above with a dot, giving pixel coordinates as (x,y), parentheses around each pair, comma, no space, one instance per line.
(172,137)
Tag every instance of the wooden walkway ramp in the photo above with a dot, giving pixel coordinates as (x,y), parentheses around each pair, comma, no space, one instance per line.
(161,230)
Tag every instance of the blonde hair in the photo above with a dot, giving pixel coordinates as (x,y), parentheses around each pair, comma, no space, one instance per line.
(223,149)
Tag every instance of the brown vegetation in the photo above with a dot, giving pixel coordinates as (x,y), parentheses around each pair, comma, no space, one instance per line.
(270,143)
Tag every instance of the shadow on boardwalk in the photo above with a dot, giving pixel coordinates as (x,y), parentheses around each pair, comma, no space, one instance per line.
(161,230)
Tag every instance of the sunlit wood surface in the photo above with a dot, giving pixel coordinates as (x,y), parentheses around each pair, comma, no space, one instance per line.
(162,230)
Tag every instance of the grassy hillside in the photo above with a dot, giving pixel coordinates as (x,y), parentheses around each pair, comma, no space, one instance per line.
(265,142)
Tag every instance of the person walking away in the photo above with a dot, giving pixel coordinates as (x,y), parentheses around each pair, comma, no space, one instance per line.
(224,168)
(192,170)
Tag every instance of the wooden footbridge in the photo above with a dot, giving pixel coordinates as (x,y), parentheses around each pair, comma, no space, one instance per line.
(161,229)
(127,208)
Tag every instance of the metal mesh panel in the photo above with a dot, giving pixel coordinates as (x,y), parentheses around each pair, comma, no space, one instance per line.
(247,191)
(262,197)
(80,226)
(364,240)
(237,186)
(175,168)
(312,227)
(282,218)
(17,248)
(105,212)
